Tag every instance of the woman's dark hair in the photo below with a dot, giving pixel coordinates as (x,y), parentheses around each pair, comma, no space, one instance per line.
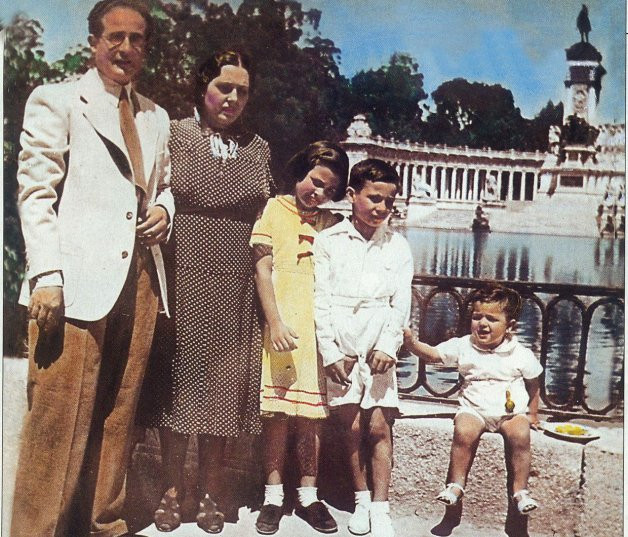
(95,25)
(507,298)
(210,69)
(321,153)
(375,170)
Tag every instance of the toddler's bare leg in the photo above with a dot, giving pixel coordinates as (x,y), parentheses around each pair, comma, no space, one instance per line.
(275,435)
(380,439)
(467,432)
(308,449)
(516,433)
(349,417)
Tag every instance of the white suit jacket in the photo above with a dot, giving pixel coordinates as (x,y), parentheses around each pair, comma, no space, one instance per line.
(76,197)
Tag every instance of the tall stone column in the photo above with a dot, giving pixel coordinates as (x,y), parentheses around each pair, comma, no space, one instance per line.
(476,195)
(465,170)
(510,175)
(522,187)
(499,184)
(443,183)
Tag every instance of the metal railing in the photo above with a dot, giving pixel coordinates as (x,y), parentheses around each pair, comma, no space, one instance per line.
(546,297)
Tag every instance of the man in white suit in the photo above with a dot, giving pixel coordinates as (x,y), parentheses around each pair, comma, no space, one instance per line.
(94,204)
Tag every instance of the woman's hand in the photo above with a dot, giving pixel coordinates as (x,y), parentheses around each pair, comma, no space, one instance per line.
(282,337)
(339,371)
(154,228)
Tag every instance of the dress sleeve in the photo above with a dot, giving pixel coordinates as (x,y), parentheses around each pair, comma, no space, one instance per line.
(262,229)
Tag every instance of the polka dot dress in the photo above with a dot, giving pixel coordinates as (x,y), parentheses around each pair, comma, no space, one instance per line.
(204,374)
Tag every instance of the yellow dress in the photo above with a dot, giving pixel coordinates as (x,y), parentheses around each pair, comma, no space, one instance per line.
(293,382)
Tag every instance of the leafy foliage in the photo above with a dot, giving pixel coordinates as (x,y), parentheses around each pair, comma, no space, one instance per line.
(390,97)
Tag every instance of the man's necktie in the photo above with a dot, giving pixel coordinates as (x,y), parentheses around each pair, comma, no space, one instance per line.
(132,141)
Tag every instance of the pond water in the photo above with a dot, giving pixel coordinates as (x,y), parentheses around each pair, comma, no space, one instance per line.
(535,258)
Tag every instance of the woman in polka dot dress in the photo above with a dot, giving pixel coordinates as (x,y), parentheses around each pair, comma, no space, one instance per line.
(205,372)
(293,392)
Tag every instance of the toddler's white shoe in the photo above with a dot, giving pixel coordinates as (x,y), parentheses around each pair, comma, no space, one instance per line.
(359,523)
(381,524)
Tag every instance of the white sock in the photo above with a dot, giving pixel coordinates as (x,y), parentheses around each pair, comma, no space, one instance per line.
(273,495)
(307,495)
(380,507)
(363,497)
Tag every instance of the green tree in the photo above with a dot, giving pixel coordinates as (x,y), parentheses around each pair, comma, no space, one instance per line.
(475,114)
(298,96)
(390,98)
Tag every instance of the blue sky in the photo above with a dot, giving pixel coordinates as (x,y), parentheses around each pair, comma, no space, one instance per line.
(516,43)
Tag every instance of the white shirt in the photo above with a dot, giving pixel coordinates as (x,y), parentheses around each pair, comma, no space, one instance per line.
(362,291)
(488,374)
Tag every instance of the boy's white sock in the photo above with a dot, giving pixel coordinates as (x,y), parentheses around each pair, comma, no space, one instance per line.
(273,495)
(363,497)
(380,507)
(307,495)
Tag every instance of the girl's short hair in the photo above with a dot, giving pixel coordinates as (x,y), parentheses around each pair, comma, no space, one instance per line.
(321,153)
(210,69)
(509,299)
(375,170)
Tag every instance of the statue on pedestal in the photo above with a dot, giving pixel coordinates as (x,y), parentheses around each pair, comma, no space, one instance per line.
(480,222)
(491,193)
(584,24)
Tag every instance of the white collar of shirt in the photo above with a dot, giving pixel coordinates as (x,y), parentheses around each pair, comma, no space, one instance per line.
(113,89)
(505,347)
(346,226)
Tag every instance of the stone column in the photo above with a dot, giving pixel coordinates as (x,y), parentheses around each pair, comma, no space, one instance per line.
(443,181)
(535,189)
(465,193)
(433,179)
(499,184)
(522,187)
(476,195)
(510,175)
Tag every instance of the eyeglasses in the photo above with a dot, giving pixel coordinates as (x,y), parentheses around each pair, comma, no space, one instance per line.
(115,39)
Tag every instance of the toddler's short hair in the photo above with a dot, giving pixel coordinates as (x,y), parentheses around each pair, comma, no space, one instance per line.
(375,170)
(509,299)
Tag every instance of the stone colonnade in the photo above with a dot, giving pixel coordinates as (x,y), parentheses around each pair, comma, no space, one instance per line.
(467,182)
(454,173)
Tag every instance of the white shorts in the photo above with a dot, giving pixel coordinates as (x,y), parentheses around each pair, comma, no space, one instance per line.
(492,424)
(366,389)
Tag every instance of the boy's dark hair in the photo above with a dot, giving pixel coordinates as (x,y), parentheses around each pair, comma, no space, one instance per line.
(321,153)
(211,67)
(95,25)
(509,299)
(375,170)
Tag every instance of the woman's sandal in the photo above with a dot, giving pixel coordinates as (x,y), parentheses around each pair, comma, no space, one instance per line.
(448,496)
(167,517)
(525,504)
(209,518)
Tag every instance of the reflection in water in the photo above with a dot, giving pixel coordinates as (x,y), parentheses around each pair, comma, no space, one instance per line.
(513,256)
(538,258)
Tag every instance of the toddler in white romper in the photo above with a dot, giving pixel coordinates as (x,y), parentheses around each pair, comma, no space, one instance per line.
(499,392)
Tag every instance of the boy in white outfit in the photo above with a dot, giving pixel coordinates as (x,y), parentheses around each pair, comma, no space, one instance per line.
(499,393)
(363,273)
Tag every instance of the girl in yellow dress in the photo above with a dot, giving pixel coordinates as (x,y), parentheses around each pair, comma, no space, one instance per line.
(293,391)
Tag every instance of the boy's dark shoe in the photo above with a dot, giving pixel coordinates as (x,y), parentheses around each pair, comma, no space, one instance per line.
(268,519)
(318,516)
